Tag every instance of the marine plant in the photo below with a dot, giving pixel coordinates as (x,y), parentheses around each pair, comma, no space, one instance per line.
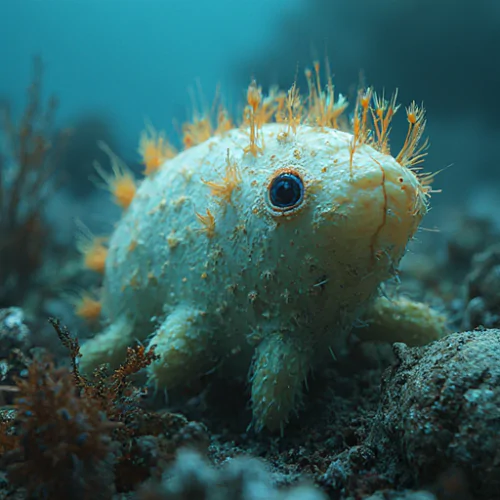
(28,165)
(70,436)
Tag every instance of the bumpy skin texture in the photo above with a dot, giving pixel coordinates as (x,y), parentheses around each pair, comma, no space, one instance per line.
(275,291)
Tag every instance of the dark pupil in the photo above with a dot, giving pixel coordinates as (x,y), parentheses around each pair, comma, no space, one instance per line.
(286,190)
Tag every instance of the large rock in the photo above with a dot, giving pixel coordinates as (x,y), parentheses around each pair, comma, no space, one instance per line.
(440,410)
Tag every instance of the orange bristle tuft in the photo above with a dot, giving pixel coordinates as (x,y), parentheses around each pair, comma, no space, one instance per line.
(254,99)
(154,148)
(94,257)
(208,223)
(196,132)
(229,183)
(121,182)
(88,308)
(224,122)
(92,248)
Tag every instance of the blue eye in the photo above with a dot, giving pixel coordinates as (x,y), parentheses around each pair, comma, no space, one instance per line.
(286,191)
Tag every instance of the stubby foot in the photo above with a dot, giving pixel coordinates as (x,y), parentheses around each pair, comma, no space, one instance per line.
(278,373)
(402,320)
(110,346)
(183,344)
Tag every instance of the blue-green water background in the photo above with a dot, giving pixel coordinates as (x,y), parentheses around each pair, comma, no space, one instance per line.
(130,60)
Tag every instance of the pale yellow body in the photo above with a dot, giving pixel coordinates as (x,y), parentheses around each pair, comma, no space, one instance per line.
(257,248)
(278,284)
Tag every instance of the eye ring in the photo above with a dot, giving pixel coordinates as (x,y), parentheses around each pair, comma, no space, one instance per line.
(286,191)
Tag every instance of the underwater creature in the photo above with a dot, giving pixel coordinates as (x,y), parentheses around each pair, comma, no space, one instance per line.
(258,246)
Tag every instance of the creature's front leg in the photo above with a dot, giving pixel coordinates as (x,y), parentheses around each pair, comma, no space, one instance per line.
(278,373)
(183,342)
(110,346)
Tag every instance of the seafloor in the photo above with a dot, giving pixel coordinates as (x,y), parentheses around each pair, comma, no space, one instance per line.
(387,422)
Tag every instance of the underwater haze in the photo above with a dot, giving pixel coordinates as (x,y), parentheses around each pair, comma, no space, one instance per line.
(127,61)
(120,63)
(130,60)
(230,267)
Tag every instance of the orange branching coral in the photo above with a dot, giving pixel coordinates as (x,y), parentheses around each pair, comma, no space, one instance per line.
(154,149)
(63,443)
(68,432)
(120,401)
(106,390)
(121,182)
(230,182)
(28,165)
